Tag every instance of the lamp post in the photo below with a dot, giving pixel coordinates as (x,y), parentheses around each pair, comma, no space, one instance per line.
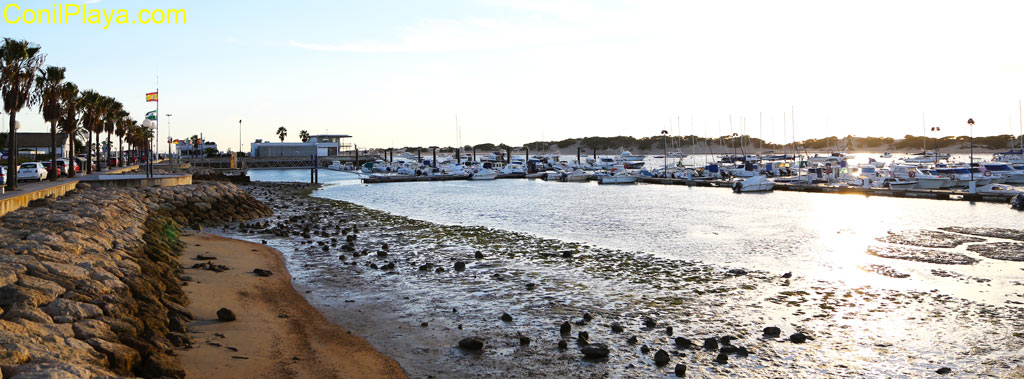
(970,166)
(169,137)
(664,143)
(239,135)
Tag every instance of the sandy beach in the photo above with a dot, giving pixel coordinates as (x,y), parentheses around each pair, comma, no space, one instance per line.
(276,334)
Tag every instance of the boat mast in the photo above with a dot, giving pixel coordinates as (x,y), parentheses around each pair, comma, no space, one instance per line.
(693,140)
(1021,127)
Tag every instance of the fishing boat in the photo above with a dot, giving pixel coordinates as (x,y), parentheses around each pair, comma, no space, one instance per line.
(759,183)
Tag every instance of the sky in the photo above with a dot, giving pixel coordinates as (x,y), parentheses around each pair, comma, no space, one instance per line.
(399,73)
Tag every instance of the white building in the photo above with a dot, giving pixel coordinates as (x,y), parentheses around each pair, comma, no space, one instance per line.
(323,145)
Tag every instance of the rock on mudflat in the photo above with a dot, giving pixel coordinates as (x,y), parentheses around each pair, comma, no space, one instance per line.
(565,329)
(711,343)
(261,272)
(225,314)
(632,340)
(595,351)
(944,371)
(506,317)
(471,343)
(616,327)
(524,340)
(772,331)
(683,342)
(798,338)
(680,370)
(722,358)
(661,357)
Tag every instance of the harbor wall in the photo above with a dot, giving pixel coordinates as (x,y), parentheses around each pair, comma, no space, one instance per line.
(89,282)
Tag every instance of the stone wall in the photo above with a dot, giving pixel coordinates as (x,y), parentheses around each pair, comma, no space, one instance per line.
(89,283)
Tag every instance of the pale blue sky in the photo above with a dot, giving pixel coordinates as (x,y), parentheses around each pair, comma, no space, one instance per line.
(397,72)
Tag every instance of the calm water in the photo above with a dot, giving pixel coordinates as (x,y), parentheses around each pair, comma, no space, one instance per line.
(819,236)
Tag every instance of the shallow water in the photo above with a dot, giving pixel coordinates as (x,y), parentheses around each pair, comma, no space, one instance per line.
(665,253)
(820,236)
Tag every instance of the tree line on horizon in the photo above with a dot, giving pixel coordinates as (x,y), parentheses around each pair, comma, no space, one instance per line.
(654,143)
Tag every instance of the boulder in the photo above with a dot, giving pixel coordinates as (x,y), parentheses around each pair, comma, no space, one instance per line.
(86,329)
(161,365)
(28,313)
(772,331)
(122,358)
(661,357)
(680,370)
(225,314)
(471,343)
(595,351)
(65,311)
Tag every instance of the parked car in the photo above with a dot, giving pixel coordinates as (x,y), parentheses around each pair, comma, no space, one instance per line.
(64,163)
(32,171)
(50,170)
(114,161)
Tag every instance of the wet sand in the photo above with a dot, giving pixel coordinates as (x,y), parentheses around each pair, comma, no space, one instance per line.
(277,333)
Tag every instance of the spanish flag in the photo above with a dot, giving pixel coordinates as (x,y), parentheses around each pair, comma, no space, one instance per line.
(152,96)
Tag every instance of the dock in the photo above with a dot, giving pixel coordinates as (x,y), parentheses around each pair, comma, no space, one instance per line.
(961,195)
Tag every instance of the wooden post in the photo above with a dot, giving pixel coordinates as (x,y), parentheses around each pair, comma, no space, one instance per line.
(434,162)
(357,156)
(474,153)
(458,156)
(579,151)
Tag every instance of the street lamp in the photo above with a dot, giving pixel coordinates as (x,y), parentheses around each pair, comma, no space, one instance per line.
(970,166)
(169,136)
(664,143)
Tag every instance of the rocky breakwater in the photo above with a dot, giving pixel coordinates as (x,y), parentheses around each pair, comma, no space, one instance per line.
(89,283)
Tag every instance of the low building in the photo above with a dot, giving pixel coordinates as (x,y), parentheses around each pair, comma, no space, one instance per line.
(323,145)
(187,149)
(37,145)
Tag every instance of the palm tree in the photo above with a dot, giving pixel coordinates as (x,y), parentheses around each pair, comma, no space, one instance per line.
(304,135)
(123,121)
(110,120)
(49,83)
(92,103)
(19,61)
(70,109)
(281,133)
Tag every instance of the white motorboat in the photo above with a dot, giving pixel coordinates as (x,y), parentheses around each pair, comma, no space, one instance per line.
(621,177)
(554,176)
(1006,172)
(484,174)
(997,189)
(759,183)
(926,179)
(886,155)
(577,175)
(902,184)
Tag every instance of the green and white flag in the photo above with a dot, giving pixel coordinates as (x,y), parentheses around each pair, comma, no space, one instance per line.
(151,115)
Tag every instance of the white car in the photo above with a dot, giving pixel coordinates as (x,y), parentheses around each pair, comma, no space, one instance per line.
(32,171)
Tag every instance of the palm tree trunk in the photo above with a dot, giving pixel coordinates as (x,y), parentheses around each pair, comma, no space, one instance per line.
(71,155)
(53,150)
(88,154)
(12,156)
(120,150)
(99,156)
(110,149)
